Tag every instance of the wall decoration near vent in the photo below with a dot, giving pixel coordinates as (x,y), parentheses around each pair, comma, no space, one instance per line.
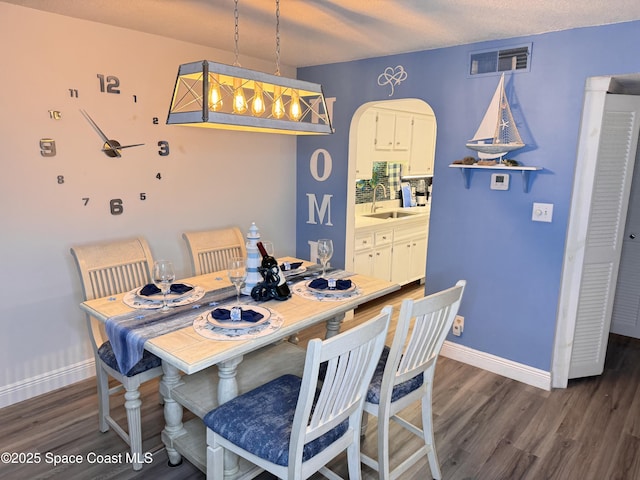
(514,58)
(392,77)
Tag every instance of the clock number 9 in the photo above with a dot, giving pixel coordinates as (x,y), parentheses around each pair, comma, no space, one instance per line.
(109,84)
(116,207)
(48,147)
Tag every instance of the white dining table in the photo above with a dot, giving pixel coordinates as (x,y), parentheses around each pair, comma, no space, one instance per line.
(201,373)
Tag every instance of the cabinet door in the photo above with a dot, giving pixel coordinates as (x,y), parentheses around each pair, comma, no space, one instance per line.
(385,127)
(363,262)
(401,260)
(402,132)
(382,262)
(423,145)
(418,262)
(365,145)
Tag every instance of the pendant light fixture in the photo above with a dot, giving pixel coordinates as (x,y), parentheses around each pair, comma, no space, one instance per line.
(216,95)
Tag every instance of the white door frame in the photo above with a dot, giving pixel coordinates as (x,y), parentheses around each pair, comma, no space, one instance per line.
(596,89)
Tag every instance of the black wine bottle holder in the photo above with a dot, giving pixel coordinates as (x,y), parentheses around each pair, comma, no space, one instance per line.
(266,290)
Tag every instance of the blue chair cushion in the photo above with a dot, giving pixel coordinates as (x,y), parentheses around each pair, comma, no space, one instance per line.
(260,421)
(149,360)
(399,391)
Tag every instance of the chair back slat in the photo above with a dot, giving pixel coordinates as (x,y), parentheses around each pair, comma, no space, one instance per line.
(422,328)
(111,268)
(118,279)
(211,250)
(216,260)
(350,359)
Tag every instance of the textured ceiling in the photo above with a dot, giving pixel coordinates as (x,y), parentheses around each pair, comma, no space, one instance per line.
(314,32)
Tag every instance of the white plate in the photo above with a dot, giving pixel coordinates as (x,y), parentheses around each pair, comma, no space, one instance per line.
(266,314)
(335,292)
(171,297)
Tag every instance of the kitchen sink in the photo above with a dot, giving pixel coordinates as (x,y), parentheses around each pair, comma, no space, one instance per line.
(389,215)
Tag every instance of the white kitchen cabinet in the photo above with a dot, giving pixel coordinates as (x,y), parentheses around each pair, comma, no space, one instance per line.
(394,250)
(365,145)
(372,254)
(393,131)
(423,145)
(409,255)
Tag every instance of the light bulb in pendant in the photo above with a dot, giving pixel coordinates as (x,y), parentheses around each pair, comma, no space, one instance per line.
(215,97)
(278,105)
(257,105)
(239,100)
(295,112)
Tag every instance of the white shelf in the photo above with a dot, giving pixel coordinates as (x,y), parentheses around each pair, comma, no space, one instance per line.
(465,170)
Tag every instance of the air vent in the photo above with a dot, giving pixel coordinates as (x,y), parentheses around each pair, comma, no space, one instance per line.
(516,58)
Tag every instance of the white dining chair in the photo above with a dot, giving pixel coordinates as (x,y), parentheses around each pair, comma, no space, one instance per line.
(108,269)
(404,375)
(293,426)
(211,250)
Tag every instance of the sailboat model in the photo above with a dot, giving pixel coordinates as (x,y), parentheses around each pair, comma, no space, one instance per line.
(497,133)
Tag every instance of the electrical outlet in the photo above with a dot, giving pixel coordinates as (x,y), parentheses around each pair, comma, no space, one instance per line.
(458,325)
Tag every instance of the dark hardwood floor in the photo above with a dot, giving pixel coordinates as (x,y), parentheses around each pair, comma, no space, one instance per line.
(487,427)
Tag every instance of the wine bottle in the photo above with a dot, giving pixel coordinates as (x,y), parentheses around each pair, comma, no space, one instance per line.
(271,265)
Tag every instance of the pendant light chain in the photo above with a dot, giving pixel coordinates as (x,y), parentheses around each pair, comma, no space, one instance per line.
(278,37)
(237,32)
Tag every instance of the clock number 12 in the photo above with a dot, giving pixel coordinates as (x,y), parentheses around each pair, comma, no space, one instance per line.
(109,84)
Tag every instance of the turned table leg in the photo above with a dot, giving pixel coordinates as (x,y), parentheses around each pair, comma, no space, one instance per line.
(228,389)
(172,412)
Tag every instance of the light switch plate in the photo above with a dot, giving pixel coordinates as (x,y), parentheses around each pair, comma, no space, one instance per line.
(542,212)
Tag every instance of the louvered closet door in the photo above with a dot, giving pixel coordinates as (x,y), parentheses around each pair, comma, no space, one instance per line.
(616,153)
(625,319)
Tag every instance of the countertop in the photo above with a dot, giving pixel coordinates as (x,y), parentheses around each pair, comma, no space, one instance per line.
(415,214)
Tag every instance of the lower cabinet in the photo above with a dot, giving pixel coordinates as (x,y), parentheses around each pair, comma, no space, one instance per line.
(409,256)
(373,254)
(397,255)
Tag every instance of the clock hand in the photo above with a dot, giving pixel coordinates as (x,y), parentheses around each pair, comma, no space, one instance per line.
(112,145)
(120,147)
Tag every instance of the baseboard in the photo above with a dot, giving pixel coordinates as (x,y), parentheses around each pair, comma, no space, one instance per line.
(501,366)
(46,382)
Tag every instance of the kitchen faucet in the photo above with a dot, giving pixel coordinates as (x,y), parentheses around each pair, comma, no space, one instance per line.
(375,190)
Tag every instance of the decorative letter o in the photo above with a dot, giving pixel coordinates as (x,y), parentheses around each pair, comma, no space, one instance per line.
(313,165)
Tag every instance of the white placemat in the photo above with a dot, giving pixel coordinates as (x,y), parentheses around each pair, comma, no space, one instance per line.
(208,330)
(133,300)
(304,291)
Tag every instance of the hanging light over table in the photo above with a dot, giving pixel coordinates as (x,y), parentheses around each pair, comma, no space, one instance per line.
(216,95)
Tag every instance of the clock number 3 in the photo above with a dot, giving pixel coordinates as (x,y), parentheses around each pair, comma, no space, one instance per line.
(163,151)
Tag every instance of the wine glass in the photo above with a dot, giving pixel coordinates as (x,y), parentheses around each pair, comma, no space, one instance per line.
(163,277)
(325,251)
(237,271)
(268,246)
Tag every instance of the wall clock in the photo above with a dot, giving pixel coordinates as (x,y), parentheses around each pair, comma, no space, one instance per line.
(102,123)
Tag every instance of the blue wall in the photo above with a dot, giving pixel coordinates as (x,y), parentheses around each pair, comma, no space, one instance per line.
(512,265)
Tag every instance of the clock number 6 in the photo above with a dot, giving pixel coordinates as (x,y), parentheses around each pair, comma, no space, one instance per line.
(116,207)
(109,84)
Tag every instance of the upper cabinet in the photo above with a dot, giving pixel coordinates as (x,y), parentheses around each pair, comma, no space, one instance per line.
(423,145)
(389,135)
(393,131)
